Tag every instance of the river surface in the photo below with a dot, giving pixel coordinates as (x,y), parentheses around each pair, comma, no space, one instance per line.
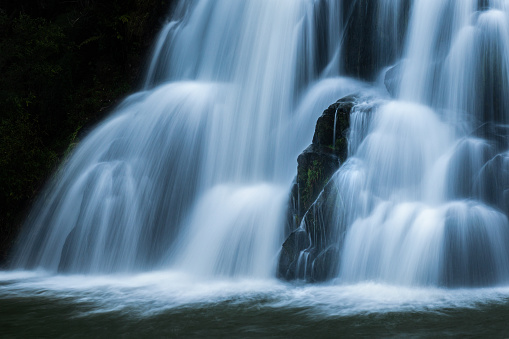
(171,304)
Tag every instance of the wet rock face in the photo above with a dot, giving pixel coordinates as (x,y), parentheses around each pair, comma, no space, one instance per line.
(315,168)
(368,46)
(322,158)
(291,250)
(332,127)
(311,250)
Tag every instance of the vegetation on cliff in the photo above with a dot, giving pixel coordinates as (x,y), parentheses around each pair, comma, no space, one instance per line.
(64,64)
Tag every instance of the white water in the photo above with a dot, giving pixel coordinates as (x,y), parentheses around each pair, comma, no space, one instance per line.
(149,294)
(193,173)
(420,164)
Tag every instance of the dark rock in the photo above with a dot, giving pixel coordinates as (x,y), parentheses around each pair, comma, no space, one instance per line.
(321,215)
(322,158)
(326,265)
(302,255)
(368,45)
(315,168)
(491,92)
(358,52)
(332,127)
(292,247)
(311,251)
(373,37)
(483,5)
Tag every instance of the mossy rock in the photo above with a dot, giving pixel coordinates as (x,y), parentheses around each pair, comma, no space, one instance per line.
(315,168)
(322,158)
(332,127)
(312,201)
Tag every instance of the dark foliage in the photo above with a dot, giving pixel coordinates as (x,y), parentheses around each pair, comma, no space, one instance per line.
(64,64)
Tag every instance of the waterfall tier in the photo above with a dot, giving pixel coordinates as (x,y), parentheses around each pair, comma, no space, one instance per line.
(194,171)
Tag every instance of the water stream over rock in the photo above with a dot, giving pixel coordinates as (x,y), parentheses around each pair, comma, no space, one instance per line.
(193,174)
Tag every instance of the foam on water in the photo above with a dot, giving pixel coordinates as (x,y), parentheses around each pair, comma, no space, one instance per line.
(149,294)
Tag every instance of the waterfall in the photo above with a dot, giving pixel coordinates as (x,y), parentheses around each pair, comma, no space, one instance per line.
(194,171)
(424,158)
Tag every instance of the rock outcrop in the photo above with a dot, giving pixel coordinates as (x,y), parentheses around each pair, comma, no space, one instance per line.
(311,250)
(322,158)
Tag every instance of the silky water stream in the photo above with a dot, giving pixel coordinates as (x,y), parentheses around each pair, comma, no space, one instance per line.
(167,220)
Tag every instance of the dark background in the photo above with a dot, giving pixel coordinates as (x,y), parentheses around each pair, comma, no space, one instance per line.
(63,66)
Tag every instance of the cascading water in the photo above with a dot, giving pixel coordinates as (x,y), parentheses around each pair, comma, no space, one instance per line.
(201,160)
(423,165)
(193,172)
(173,210)
(414,204)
